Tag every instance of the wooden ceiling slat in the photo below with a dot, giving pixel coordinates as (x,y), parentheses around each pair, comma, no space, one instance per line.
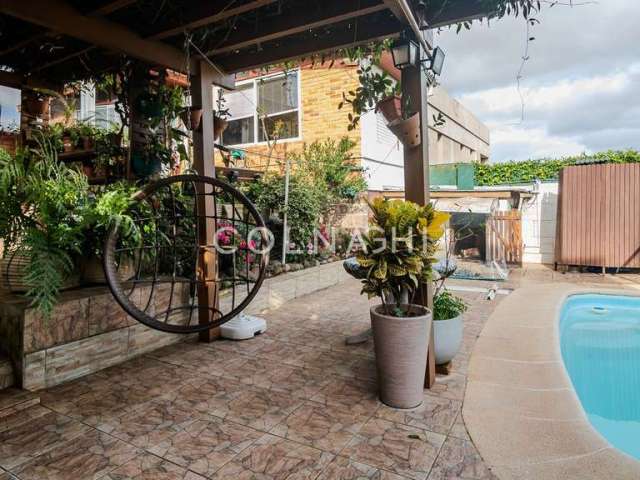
(204,15)
(112,7)
(287,25)
(61,17)
(292,48)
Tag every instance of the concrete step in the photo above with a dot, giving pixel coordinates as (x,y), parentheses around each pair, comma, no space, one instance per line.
(6,373)
(13,400)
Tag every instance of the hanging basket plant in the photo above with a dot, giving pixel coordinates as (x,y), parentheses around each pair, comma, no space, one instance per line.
(191,117)
(219,126)
(390,107)
(407,130)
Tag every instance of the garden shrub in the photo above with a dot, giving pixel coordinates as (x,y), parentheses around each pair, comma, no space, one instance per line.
(543,169)
(330,165)
(305,204)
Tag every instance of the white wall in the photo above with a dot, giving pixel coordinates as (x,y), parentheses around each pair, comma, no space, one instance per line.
(539,225)
(462,139)
(382,154)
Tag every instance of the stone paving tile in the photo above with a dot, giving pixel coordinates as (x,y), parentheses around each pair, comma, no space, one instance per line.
(459,459)
(281,405)
(274,458)
(28,439)
(404,450)
(250,406)
(344,469)
(204,446)
(148,467)
(275,375)
(88,457)
(7,476)
(326,427)
(459,430)
(151,424)
(435,414)
(288,354)
(101,408)
(357,397)
(450,386)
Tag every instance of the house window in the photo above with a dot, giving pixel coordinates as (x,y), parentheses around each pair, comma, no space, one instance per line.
(276,98)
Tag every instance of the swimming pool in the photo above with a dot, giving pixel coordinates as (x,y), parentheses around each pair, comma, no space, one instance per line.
(600,343)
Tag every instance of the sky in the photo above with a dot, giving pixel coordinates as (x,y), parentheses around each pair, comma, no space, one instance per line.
(9,100)
(581,84)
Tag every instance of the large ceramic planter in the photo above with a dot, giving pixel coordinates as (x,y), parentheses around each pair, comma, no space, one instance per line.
(401,355)
(447,338)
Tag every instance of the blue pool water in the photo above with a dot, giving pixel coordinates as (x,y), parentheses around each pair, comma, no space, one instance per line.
(600,342)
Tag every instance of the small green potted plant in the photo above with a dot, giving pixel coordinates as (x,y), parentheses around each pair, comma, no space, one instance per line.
(447,325)
(397,254)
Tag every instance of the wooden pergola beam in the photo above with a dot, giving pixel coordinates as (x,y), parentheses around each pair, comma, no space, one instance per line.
(206,14)
(112,7)
(292,49)
(291,25)
(61,17)
(456,11)
(402,10)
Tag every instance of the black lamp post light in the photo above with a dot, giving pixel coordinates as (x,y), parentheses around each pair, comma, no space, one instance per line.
(406,53)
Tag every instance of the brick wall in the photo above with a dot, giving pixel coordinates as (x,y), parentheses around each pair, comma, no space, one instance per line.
(320,93)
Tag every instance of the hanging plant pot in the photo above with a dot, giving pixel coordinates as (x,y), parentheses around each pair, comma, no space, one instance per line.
(149,105)
(191,118)
(37,106)
(219,126)
(407,131)
(143,166)
(391,108)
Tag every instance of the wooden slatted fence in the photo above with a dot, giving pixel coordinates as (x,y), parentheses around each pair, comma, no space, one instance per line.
(504,237)
(598,220)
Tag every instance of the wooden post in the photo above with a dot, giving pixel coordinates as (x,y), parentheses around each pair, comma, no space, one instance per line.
(416,176)
(203,150)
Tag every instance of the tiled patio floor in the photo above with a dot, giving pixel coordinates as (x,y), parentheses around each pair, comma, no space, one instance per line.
(294,403)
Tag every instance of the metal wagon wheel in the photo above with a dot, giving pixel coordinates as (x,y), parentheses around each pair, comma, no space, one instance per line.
(175,268)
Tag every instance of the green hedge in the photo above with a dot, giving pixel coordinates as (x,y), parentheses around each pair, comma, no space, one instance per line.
(543,169)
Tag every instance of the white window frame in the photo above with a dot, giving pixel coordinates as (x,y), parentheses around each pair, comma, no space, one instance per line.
(256,118)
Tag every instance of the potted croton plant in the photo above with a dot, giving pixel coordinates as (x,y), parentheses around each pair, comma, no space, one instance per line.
(397,254)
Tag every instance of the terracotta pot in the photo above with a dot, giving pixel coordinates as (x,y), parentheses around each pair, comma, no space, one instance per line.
(38,107)
(87,143)
(407,131)
(116,139)
(191,118)
(391,108)
(447,338)
(92,270)
(67,144)
(219,126)
(401,355)
(89,171)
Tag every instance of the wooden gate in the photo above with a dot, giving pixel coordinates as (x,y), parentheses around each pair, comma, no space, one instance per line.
(504,237)
(599,216)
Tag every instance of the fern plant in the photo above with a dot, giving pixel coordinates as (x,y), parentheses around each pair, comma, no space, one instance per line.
(42,205)
(398,251)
